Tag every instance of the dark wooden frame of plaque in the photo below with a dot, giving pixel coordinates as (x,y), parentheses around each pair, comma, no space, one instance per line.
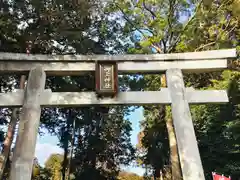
(106,92)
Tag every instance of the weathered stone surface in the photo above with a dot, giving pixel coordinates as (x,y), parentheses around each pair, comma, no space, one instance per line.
(66,99)
(190,160)
(213,54)
(77,68)
(21,167)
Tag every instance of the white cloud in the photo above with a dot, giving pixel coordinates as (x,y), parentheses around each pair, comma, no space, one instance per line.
(137,170)
(44,150)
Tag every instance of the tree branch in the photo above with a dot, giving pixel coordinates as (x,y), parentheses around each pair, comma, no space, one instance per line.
(217,38)
(205,45)
(211,43)
(149,10)
(130,22)
(136,28)
(185,27)
(170,14)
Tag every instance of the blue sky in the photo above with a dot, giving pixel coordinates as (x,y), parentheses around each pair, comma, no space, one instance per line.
(47,144)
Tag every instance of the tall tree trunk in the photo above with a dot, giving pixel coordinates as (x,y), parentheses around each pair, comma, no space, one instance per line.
(174,158)
(66,139)
(10,133)
(175,166)
(157,173)
(71,150)
(100,112)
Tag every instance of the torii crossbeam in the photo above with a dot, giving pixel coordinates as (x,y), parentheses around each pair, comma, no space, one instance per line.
(175,94)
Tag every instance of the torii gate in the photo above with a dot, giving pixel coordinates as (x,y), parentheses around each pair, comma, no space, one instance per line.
(35,96)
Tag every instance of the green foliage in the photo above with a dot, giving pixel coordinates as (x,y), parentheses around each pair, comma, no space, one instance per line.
(40,173)
(102,135)
(54,165)
(216,125)
(217,128)
(159,27)
(129,176)
(210,25)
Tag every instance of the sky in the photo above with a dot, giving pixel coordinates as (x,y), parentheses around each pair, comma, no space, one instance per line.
(47,144)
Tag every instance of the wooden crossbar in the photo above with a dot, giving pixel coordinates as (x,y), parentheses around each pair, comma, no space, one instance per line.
(77,68)
(67,99)
(213,54)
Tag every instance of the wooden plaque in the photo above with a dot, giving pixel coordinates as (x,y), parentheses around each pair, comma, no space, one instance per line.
(106,78)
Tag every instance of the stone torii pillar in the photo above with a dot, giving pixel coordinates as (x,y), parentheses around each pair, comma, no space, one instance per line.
(189,155)
(22,163)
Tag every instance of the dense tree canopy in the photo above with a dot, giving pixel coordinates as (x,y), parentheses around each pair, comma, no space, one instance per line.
(98,136)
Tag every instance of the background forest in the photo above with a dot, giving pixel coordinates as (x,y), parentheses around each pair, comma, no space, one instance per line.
(96,140)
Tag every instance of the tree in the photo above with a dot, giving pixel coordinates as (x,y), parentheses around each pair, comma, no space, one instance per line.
(102,133)
(159,28)
(216,129)
(65,28)
(212,121)
(159,31)
(54,166)
(38,172)
(129,176)
(103,144)
(219,28)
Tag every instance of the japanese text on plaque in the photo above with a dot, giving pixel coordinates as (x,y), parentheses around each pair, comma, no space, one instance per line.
(107,77)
